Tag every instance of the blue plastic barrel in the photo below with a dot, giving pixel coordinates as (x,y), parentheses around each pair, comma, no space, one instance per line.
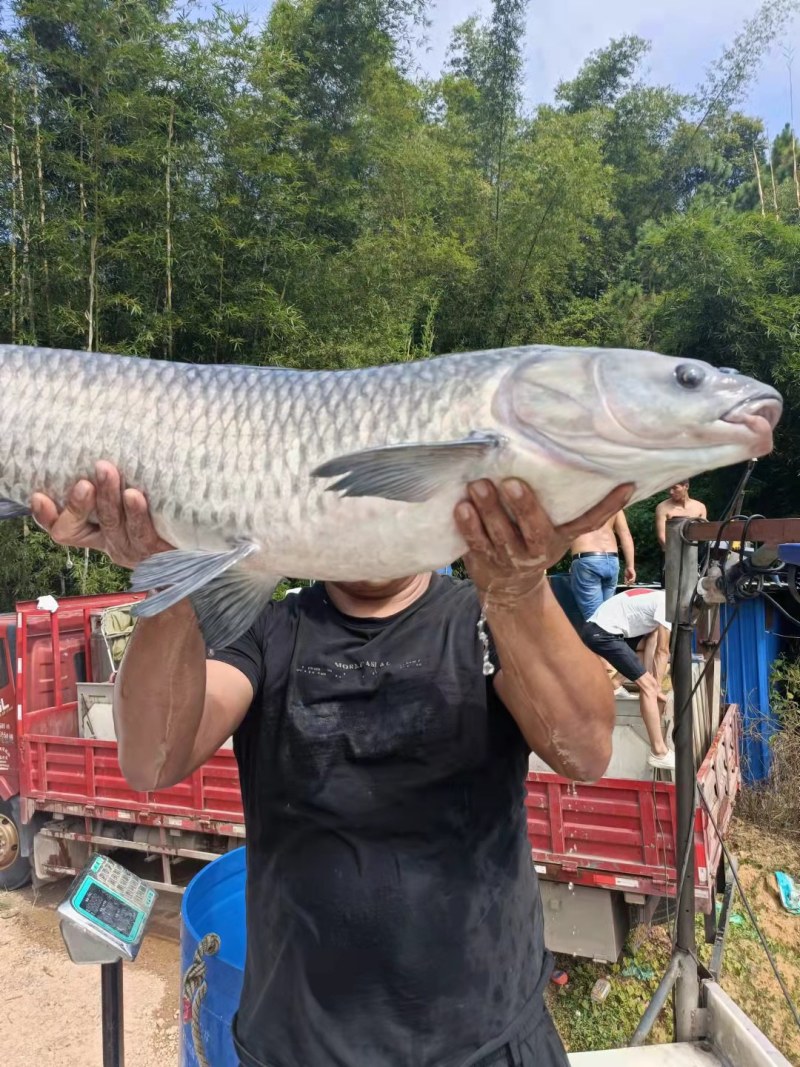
(213,904)
(789,553)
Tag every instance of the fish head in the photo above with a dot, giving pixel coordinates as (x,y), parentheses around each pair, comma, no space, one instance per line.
(622,410)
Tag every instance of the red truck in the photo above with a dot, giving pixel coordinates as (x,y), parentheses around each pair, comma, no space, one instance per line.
(605,852)
(61,789)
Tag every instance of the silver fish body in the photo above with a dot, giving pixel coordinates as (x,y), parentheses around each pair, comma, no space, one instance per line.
(227,455)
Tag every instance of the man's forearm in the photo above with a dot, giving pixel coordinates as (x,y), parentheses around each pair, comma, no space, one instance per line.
(553,685)
(159,697)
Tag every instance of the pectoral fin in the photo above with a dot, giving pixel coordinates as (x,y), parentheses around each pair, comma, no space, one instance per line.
(226,596)
(9,509)
(412,472)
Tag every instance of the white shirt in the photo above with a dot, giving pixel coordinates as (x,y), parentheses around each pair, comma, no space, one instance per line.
(633,613)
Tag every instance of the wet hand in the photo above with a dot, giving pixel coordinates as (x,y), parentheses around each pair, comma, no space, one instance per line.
(511,541)
(102,515)
(630,575)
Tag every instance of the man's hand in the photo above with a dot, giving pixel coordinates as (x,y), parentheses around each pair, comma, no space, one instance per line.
(511,540)
(104,516)
(630,575)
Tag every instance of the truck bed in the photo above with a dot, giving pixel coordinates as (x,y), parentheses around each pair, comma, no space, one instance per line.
(64,773)
(620,833)
(617,833)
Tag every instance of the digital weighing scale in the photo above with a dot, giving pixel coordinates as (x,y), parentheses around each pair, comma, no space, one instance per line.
(103,918)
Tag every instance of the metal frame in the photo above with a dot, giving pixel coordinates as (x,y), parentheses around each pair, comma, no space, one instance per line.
(166,851)
(683,974)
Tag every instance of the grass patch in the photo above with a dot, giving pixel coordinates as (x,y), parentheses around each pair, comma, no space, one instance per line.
(746,976)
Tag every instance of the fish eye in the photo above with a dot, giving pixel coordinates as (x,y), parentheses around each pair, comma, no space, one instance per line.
(689,376)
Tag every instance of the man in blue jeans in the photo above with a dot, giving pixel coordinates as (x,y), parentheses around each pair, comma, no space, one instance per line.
(594,572)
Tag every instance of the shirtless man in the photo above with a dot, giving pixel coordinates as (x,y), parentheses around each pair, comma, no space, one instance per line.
(678,505)
(594,572)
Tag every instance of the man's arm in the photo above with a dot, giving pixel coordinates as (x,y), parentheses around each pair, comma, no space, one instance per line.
(172,710)
(661,525)
(625,540)
(556,689)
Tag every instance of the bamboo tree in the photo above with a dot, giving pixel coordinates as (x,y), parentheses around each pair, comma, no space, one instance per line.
(37,124)
(758,179)
(791,125)
(774,189)
(168,225)
(13,232)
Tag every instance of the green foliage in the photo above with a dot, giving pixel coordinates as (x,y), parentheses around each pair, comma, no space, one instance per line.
(191,188)
(775,803)
(33,566)
(585,1025)
(784,684)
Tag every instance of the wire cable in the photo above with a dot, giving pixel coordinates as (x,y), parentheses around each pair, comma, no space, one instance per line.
(732,868)
(737,499)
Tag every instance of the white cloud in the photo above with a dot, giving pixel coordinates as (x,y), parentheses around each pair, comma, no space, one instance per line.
(687,35)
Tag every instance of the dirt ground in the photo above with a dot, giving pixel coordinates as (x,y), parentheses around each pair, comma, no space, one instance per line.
(51,1007)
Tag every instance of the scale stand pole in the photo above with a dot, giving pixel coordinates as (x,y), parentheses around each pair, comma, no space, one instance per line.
(681,583)
(111,1011)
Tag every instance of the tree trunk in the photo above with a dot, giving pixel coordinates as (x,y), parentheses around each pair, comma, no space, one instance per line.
(774,188)
(27,283)
(760,187)
(40,191)
(94,308)
(794,140)
(168,184)
(13,235)
(90,311)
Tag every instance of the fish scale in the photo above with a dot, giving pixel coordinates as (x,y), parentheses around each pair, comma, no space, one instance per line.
(237,462)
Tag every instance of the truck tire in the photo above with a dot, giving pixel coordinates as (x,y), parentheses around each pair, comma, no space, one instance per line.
(15,869)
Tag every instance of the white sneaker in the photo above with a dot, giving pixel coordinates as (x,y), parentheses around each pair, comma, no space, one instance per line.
(621,693)
(662,763)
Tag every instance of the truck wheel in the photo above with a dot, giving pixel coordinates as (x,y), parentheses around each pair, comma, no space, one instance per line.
(15,869)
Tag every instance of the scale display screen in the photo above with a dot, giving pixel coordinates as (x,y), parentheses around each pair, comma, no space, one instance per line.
(109,909)
(104,915)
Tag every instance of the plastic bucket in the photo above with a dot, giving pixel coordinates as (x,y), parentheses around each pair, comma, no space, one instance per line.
(213,904)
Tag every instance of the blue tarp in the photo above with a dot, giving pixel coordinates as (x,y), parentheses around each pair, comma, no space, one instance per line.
(755,640)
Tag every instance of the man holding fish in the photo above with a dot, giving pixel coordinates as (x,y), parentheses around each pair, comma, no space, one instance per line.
(393,913)
(382,718)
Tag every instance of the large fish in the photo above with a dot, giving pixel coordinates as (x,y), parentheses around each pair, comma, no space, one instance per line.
(253,473)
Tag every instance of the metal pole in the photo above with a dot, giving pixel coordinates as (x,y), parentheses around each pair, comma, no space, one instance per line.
(687,988)
(653,1009)
(682,568)
(111,1011)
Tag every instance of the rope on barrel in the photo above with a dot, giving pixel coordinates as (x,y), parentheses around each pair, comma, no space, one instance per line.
(194,989)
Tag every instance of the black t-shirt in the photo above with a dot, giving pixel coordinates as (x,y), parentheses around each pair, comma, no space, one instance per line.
(393,913)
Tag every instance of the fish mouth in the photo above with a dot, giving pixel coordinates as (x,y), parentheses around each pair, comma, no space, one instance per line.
(759,415)
(764,408)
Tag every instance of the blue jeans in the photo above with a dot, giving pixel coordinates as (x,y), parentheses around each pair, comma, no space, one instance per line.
(593,579)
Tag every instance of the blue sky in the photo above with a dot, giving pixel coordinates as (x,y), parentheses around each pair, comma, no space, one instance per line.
(687,35)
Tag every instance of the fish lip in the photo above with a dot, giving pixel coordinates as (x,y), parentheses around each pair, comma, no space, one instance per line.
(755,411)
